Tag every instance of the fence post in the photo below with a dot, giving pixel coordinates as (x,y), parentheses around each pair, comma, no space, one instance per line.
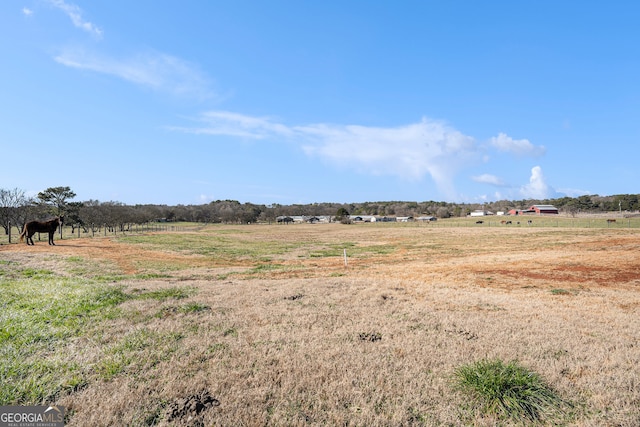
(9,231)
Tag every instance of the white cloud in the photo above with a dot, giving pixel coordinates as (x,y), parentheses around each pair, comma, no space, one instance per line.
(154,70)
(203,198)
(26,11)
(489,179)
(410,152)
(520,147)
(537,187)
(75,14)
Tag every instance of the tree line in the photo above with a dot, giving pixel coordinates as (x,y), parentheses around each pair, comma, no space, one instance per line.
(16,208)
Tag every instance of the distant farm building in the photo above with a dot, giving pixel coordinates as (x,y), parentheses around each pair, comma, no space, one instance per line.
(543,209)
(404,218)
(536,209)
(363,218)
(480,212)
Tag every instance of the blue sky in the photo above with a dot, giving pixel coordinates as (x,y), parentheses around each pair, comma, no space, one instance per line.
(185,102)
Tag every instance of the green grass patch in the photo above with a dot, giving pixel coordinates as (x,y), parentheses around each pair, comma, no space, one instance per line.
(265,268)
(110,278)
(36,273)
(233,245)
(227,245)
(353,250)
(508,391)
(137,351)
(147,276)
(165,294)
(40,314)
(192,307)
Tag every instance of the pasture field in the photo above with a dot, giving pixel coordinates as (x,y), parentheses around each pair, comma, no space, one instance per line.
(260,325)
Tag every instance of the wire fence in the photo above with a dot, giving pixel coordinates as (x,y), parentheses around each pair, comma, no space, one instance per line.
(68,232)
(542,222)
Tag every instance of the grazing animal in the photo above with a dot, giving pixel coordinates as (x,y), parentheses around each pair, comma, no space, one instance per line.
(479,222)
(503,222)
(609,221)
(529,222)
(508,222)
(34,227)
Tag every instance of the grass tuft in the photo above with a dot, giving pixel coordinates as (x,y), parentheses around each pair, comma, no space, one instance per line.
(558,291)
(165,294)
(33,273)
(508,391)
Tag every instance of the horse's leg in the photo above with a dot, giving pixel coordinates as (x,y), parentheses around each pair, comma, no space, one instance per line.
(51,233)
(30,238)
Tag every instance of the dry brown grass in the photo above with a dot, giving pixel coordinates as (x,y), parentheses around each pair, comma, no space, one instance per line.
(375,343)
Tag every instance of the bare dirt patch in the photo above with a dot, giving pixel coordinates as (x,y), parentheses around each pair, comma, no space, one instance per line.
(188,410)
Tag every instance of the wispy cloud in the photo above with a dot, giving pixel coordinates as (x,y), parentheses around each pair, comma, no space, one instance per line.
(235,124)
(26,11)
(410,152)
(520,147)
(489,179)
(157,71)
(75,14)
(574,192)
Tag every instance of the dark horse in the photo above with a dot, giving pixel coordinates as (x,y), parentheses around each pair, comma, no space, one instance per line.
(34,227)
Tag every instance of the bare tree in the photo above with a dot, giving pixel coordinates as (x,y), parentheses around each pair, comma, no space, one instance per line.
(15,208)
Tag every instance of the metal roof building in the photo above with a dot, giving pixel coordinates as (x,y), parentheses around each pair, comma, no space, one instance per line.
(543,209)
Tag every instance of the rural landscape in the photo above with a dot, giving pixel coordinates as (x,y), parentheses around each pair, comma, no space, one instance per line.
(306,214)
(447,322)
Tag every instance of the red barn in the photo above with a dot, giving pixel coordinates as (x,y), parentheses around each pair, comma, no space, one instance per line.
(543,209)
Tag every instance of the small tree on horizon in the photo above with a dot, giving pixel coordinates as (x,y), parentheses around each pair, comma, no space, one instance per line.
(56,198)
(341,214)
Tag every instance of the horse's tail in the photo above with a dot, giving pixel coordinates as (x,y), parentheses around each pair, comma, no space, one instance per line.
(24,232)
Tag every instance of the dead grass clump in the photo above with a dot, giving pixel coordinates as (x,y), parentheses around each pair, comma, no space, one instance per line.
(370,336)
